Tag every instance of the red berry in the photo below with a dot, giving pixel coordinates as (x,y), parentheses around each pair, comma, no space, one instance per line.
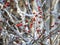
(4,6)
(39,8)
(25,25)
(31,25)
(39,22)
(36,15)
(38,30)
(7,4)
(40,16)
(26,21)
(17,41)
(33,19)
(28,31)
(20,24)
(40,12)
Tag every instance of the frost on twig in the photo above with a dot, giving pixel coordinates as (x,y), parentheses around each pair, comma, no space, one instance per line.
(29,22)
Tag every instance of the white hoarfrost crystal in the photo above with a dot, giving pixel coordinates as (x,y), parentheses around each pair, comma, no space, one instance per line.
(30,22)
